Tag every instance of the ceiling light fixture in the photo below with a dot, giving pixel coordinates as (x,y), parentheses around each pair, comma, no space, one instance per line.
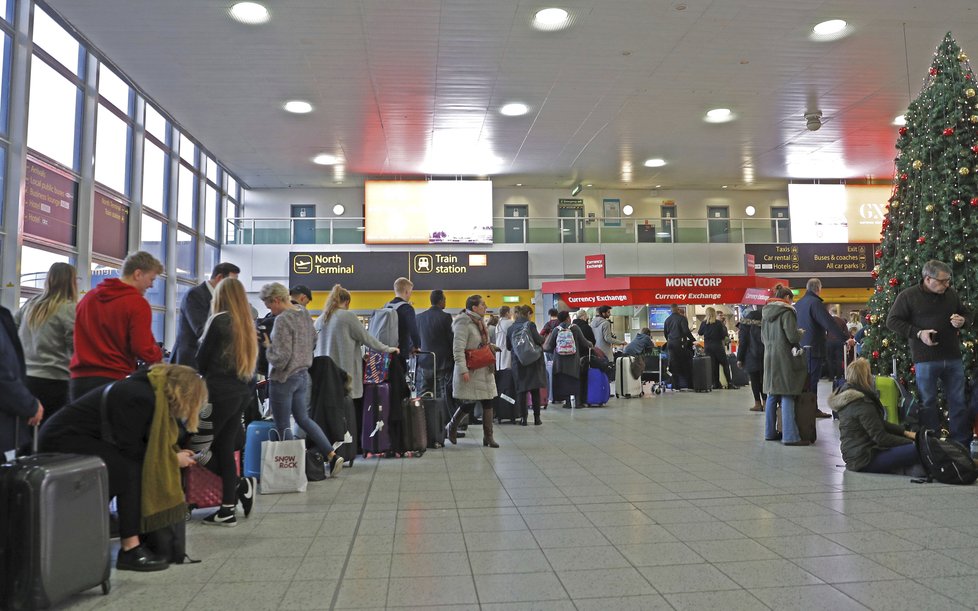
(655,163)
(299,107)
(900,120)
(551,19)
(514,109)
(519,184)
(832,26)
(577,189)
(750,210)
(250,13)
(627,210)
(813,120)
(719,115)
(325,159)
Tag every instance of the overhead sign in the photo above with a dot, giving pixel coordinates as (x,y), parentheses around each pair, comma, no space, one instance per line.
(110,226)
(812,258)
(594,266)
(49,204)
(376,271)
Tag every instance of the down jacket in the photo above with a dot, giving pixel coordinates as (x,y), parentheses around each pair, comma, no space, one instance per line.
(467,336)
(784,373)
(862,430)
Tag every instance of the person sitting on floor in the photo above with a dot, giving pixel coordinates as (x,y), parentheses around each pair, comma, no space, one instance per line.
(869,443)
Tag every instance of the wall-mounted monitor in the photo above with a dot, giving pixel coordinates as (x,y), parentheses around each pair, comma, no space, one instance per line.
(837,214)
(428,212)
(658,316)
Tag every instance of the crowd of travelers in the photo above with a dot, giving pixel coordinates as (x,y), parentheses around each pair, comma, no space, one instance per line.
(92,375)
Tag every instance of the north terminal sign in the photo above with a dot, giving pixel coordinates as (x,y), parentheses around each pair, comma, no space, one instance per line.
(376,271)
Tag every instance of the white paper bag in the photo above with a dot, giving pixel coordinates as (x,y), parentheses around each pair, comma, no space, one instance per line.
(283,465)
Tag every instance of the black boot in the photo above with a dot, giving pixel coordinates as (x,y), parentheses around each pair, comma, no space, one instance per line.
(523,409)
(536,415)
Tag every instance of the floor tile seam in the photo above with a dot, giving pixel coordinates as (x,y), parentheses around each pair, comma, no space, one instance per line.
(349,550)
(461,534)
(920,582)
(780,557)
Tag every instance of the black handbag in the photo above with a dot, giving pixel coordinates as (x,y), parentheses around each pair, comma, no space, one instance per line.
(315,465)
(170,542)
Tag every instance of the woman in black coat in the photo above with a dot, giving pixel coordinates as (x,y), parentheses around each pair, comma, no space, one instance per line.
(714,333)
(750,356)
(533,376)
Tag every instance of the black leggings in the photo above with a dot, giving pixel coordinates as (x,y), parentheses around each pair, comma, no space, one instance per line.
(719,356)
(125,476)
(534,399)
(228,401)
(756,384)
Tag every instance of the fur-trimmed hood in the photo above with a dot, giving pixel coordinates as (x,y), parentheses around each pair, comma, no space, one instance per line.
(846,396)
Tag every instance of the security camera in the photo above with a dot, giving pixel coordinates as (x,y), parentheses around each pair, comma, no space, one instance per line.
(813,120)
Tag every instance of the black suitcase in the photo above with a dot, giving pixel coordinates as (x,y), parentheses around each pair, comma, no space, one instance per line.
(740,377)
(505,403)
(702,373)
(436,408)
(54,529)
(414,430)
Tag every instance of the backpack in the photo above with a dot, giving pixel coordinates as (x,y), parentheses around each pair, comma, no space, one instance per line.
(565,343)
(945,460)
(525,349)
(383,324)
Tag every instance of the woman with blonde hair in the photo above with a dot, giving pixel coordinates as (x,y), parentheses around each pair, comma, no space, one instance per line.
(227,357)
(46,328)
(714,333)
(136,437)
(869,443)
(341,337)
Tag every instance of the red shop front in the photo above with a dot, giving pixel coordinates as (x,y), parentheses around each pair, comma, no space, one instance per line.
(597,289)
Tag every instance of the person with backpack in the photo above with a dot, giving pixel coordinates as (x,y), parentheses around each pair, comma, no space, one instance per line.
(408,338)
(567,344)
(531,375)
(869,443)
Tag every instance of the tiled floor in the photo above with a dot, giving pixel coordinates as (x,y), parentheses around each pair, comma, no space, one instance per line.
(668,502)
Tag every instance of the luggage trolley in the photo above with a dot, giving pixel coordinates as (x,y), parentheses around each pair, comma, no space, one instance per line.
(656,365)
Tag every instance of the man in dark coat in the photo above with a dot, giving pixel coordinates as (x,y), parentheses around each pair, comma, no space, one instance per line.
(435,328)
(19,408)
(816,322)
(194,311)
(679,345)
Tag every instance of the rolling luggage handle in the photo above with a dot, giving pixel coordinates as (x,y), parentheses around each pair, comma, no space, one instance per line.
(434,374)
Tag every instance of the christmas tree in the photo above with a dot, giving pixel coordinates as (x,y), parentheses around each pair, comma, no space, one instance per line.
(933,211)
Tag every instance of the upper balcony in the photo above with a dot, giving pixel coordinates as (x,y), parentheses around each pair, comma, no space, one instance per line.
(530,230)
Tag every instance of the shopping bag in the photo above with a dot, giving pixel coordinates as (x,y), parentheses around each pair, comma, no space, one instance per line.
(283,464)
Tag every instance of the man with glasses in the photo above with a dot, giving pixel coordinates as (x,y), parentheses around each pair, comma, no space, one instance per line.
(929,316)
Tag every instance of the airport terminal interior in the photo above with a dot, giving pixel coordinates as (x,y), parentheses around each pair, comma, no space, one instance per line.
(632,154)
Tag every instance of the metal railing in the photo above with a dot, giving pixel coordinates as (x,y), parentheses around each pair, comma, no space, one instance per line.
(529,230)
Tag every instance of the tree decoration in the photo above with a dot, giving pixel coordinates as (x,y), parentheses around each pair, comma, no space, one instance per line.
(933,211)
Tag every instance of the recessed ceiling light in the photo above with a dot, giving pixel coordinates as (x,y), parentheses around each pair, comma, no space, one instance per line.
(251,13)
(325,159)
(655,163)
(724,187)
(550,19)
(750,210)
(514,109)
(719,115)
(658,186)
(299,107)
(519,184)
(588,185)
(832,26)
(338,210)
(627,210)
(900,120)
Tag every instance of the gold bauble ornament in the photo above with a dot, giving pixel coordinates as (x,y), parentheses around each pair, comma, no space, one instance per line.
(973,118)
(959,258)
(873,318)
(969,345)
(964,171)
(917,164)
(929,207)
(962,57)
(886,342)
(906,258)
(969,92)
(895,204)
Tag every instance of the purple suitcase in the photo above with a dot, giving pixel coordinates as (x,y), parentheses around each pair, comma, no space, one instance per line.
(376,437)
(598,387)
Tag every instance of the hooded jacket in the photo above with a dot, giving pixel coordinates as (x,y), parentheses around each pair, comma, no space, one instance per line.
(750,346)
(862,430)
(784,373)
(113,328)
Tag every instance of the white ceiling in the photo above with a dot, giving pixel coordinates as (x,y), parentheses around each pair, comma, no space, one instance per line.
(409,87)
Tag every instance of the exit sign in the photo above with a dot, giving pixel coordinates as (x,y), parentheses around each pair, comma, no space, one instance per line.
(511,298)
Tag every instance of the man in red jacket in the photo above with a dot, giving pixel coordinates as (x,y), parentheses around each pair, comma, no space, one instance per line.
(114,327)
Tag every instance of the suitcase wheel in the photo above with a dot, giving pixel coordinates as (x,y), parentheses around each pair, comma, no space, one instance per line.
(106,587)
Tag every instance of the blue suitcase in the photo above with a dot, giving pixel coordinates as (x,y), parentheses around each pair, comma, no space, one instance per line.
(258,431)
(598,387)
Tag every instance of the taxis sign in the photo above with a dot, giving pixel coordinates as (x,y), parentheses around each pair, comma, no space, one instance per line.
(376,271)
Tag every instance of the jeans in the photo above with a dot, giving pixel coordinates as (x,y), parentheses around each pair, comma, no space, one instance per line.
(815,365)
(292,397)
(951,375)
(893,460)
(789,428)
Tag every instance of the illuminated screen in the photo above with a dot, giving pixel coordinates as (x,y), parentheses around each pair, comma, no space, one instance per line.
(837,214)
(658,316)
(428,212)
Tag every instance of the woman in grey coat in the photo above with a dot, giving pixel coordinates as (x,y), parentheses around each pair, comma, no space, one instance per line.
(472,385)
(341,337)
(567,367)
(784,367)
(530,377)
